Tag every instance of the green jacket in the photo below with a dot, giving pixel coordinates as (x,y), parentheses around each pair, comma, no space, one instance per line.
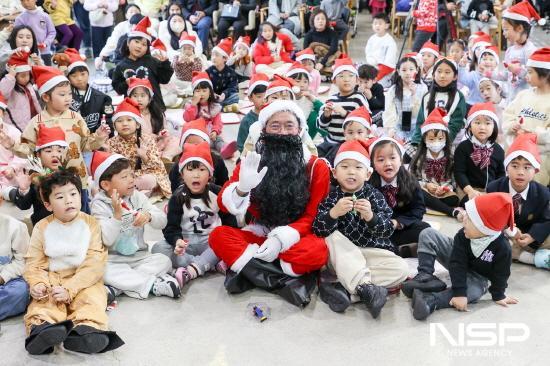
(246,122)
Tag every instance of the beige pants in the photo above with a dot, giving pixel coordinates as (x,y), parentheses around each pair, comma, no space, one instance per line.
(354,265)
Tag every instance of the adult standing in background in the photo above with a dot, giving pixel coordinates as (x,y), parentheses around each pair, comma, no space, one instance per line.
(199,13)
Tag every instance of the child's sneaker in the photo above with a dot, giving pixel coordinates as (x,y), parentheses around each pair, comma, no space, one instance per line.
(182,276)
(221,267)
(166,285)
(228,150)
(458,214)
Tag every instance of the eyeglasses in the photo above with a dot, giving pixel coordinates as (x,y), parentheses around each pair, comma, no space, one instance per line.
(278,128)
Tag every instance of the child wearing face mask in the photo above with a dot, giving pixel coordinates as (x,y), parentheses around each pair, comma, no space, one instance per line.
(433,165)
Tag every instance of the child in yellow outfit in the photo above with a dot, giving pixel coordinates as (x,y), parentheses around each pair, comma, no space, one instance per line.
(64,269)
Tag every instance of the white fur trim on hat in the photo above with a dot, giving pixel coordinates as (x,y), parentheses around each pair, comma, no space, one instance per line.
(21,68)
(429,50)
(200,160)
(187,42)
(473,214)
(255,84)
(105,164)
(539,64)
(52,83)
(76,64)
(523,154)
(195,132)
(280,106)
(3,106)
(486,113)
(343,68)
(386,138)
(305,57)
(298,71)
(433,126)
(135,34)
(61,143)
(197,82)
(219,50)
(362,121)
(287,235)
(129,114)
(278,89)
(357,156)
(129,91)
(515,16)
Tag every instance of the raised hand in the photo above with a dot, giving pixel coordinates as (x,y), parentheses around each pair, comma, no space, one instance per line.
(249,177)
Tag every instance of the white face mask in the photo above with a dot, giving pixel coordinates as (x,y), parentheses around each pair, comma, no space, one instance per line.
(435,147)
(177,27)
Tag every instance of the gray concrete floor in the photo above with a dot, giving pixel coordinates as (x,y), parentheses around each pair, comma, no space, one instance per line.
(209,327)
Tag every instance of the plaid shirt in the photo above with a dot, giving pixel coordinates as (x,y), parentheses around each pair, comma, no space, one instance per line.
(373,234)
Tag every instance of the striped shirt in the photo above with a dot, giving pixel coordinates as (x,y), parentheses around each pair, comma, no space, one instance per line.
(334,124)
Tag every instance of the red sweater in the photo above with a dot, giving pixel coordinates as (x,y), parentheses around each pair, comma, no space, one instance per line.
(426,15)
(262,55)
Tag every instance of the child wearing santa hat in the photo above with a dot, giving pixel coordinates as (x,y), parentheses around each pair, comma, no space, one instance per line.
(140,148)
(484,66)
(137,61)
(272,50)
(186,62)
(55,91)
(531,242)
(339,105)
(478,160)
(93,105)
(529,111)
(192,215)
(433,164)
(241,60)
(256,94)
(478,254)
(307,58)
(224,78)
(356,222)
(123,212)
(17,87)
(517,21)
(429,53)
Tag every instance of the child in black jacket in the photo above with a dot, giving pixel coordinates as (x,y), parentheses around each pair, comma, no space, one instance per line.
(478,254)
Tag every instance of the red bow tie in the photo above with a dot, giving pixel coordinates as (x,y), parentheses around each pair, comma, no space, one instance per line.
(481,156)
(390,193)
(435,169)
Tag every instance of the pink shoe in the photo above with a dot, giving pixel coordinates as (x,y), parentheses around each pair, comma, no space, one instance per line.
(182,276)
(228,150)
(221,267)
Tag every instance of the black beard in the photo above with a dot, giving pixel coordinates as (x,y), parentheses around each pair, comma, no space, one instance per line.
(283,194)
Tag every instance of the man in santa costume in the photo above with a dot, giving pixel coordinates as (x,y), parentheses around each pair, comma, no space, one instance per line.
(277,190)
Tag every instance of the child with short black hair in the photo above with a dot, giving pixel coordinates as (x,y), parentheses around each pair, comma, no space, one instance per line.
(531,200)
(192,215)
(356,222)
(64,268)
(479,159)
(479,253)
(381,49)
(94,106)
(123,212)
(42,26)
(224,79)
(373,91)
(256,94)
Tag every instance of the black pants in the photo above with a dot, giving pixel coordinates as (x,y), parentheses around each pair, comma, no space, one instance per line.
(83,19)
(445,205)
(47,59)
(409,234)
(421,37)
(99,38)
(238,27)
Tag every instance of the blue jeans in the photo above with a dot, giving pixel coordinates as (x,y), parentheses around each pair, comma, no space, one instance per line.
(203,28)
(83,19)
(99,38)
(232,99)
(85,200)
(14,297)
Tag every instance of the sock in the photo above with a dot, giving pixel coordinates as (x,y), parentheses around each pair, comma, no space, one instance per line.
(526,257)
(542,258)
(426,263)
(193,271)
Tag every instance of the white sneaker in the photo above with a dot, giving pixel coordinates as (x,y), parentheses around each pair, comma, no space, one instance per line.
(166,285)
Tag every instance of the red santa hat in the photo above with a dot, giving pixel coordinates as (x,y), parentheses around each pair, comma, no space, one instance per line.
(50,136)
(355,150)
(343,63)
(187,39)
(20,61)
(76,59)
(3,103)
(197,128)
(224,47)
(416,56)
(47,78)
(430,47)
(276,106)
(134,82)
(100,162)
(244,41)
(281,83)
(481,41)
(437,120)
(257,80)
(306,54)
(525,145)
(540,58)
(157,47)
(478,34)
(482,109)
(492,50)
(197,152)
(297,68)
(384,70)
(524,12)
(141,30)
(360,115)
(371,143)
(491,213)
(199,77)
(128,107)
